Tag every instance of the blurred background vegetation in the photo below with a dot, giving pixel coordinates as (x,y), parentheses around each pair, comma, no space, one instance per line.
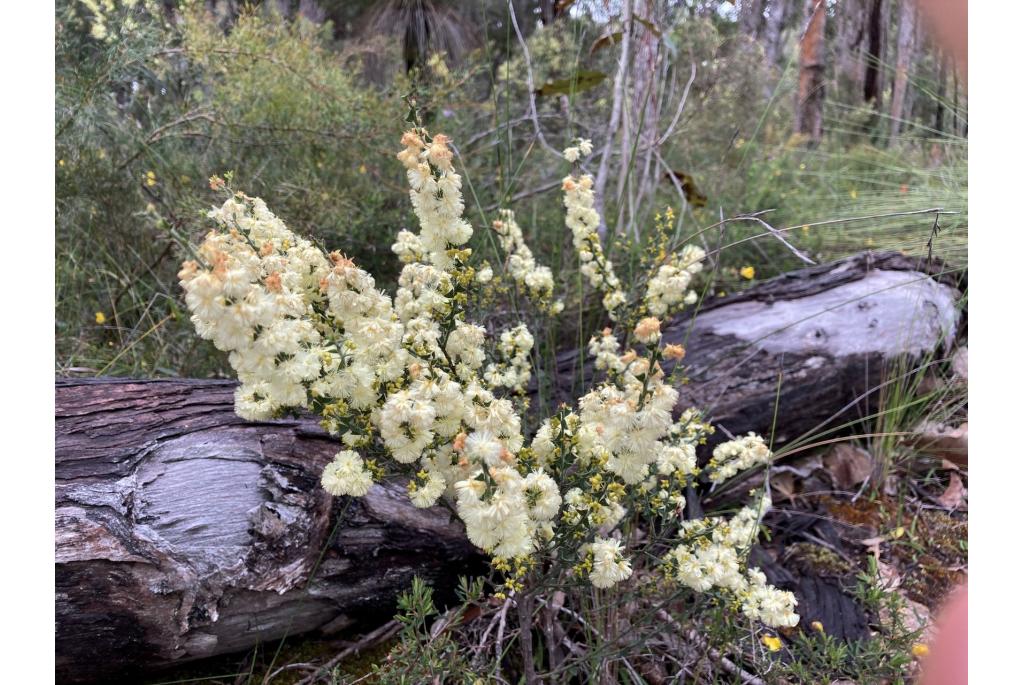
(692,105)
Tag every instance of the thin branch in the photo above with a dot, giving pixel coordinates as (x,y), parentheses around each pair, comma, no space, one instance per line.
(375,637)
(529,83)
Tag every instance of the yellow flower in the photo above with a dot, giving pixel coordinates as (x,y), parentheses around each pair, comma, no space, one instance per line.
(747,272)
(150,179)
(60,162)
(101,318)
(817,626)
(920,650)
(773,643)
(362,168)
(806,229)
(853,194)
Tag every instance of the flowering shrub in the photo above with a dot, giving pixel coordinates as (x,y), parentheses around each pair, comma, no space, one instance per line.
(411,385)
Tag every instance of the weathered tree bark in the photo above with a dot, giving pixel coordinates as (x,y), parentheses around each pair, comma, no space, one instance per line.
(906,47)
(805,350)
(184,531)
(810,101)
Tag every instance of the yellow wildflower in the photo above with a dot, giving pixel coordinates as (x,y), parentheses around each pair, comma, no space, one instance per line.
(747,272)
(817,626)
(150,179)
(920,650)
(773,643)
(101,318)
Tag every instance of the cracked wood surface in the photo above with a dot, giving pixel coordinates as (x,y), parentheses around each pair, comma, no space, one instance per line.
(183,531)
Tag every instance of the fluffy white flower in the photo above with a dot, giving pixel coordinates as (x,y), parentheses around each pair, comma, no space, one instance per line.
(347,475)
(729,458)
(609,566)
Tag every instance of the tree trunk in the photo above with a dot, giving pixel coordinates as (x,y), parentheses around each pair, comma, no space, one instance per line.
(940,100)
(811,93)
(751,16)
(778,11)
(905,49)
(877,36)
(184,531)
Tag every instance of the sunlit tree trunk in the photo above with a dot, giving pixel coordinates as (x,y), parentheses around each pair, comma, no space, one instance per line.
(811,93)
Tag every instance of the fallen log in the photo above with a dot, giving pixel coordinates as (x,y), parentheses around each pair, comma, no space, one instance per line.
(807,349)
(184,531)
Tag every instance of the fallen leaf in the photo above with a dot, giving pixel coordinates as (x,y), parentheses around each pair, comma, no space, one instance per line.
(784,484)
(802,467)
(940,440)
(873,545)
(890,577)
(848,465)
(953,497)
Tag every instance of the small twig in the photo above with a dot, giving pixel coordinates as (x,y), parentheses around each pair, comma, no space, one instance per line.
(524,606)
(727,664)
(524,194)
(501,627)
(289,667)
(778,235)
(375,637)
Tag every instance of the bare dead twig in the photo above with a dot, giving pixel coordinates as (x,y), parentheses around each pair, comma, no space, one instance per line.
(373,638)
(727,664)
(529,83)
(778,236)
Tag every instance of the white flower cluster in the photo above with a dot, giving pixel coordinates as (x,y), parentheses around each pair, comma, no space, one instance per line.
(436,193)
(513,372)
(583,220)
(534,279)
(582,148)
(608,565)
(713,555)
(410,383)
(729,458)
(347,475)
(254,296)
(669,287)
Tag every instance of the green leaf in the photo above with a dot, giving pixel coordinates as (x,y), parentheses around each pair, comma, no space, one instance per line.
(583,80)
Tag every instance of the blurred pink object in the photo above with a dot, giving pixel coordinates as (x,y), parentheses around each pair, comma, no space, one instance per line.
(946,663)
